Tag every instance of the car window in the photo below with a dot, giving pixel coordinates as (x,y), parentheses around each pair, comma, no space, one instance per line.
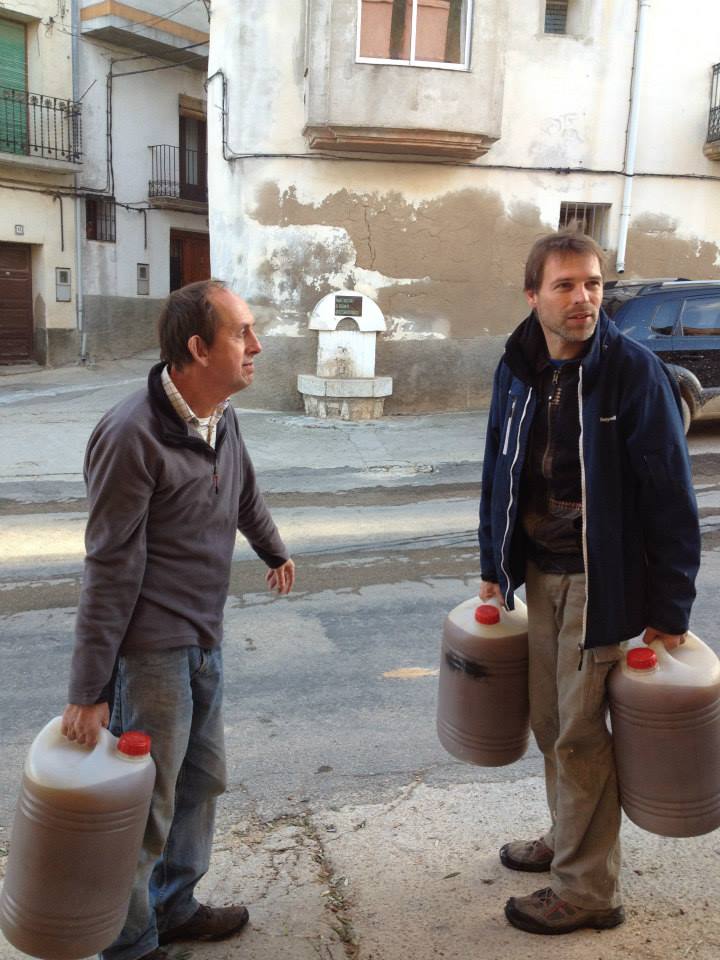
(701,317)
(664,317)
(647,319)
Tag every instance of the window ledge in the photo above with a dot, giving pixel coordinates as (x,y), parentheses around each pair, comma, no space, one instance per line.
(40,163)
(178,203)
(712,149)
(398,141)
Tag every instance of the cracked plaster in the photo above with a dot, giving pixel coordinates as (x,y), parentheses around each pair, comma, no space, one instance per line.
(444,259)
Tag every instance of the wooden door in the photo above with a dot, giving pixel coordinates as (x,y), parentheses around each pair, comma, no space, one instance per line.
(189,257)
(16,315)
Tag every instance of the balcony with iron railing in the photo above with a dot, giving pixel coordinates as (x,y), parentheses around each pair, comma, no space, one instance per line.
(712,144)
(39,131)
(178,178)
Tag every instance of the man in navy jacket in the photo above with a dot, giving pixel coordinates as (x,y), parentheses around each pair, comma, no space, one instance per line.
(587,498)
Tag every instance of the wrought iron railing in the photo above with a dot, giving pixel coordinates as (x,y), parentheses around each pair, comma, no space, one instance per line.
(714,121)
(34,125)
(178,174)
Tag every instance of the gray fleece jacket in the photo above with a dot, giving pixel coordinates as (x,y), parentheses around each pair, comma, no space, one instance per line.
(164,508)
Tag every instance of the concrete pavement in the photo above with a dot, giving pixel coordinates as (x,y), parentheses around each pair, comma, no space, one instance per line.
(63,405)
(416,876)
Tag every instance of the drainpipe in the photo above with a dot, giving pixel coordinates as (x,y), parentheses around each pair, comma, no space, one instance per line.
(79,303)
(631,136)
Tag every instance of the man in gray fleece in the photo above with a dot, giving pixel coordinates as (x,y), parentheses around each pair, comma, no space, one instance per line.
(169,484)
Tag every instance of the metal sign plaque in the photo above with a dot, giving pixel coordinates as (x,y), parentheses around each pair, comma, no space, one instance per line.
(348,306)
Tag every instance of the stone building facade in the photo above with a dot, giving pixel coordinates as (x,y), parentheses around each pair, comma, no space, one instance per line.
(412,150)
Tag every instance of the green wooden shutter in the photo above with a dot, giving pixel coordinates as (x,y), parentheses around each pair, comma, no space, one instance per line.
(13,107)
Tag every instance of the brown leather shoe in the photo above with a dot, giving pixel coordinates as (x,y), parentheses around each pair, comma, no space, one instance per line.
(209,923)
(544,912)
(532,856)
(156,954)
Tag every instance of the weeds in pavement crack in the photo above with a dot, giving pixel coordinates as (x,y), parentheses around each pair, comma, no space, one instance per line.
(336,902)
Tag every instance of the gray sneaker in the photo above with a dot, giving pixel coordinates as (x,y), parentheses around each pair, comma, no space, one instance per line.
(544,912)
(532,856)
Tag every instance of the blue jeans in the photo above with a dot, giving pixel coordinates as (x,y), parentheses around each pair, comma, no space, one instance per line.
(176,697)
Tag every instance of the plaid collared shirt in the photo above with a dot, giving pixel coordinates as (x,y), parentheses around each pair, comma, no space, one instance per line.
(206,427)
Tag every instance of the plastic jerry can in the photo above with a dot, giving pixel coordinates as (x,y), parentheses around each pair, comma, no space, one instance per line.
(483,709)
(665,712)
(75,844)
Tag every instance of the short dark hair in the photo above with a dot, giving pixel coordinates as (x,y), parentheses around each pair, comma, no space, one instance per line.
(187,312)
(563,242)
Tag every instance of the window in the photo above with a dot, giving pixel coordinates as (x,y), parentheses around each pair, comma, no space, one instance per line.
(556,14)
(589,218)
(13,97)
(430,33)
(663,320)
(701,317)
(143,279)
(100,219)
(193,159)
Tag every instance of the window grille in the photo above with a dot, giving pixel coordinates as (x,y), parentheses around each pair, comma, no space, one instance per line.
(556,12)
(588,218)
(714,120)
(100,219)
(431,33)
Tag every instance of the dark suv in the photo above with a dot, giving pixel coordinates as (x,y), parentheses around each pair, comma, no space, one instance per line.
(679,320)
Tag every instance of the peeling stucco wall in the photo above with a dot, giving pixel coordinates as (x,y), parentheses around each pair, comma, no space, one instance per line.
(441,247)
(658,247)
(433,266)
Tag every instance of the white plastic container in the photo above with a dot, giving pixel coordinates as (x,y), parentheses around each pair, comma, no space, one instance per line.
(665,711)
(76,839)
(483,709)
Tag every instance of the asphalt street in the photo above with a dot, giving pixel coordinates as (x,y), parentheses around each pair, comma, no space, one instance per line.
(346,826)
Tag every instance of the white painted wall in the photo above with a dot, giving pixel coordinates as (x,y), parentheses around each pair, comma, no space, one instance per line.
(565,97)
(39,216)
(144,113)
(261,48)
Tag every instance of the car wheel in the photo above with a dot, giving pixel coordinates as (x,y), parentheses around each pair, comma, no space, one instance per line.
(686,414)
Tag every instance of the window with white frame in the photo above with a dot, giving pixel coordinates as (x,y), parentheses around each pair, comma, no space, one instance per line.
(588,218)
(425,33)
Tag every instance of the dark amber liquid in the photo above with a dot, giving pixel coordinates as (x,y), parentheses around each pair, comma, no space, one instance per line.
(73,855)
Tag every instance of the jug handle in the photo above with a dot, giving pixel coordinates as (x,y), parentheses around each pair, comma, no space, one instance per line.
(691,642)
(52,735)
(493,602)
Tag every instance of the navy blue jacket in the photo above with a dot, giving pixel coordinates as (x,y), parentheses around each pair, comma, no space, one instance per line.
(641,538)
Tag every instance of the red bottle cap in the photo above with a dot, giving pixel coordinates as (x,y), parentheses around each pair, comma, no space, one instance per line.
(642,658)
(487,613)
(134,744)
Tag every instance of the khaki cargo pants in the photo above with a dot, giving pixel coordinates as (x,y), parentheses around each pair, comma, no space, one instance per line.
(568,709)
